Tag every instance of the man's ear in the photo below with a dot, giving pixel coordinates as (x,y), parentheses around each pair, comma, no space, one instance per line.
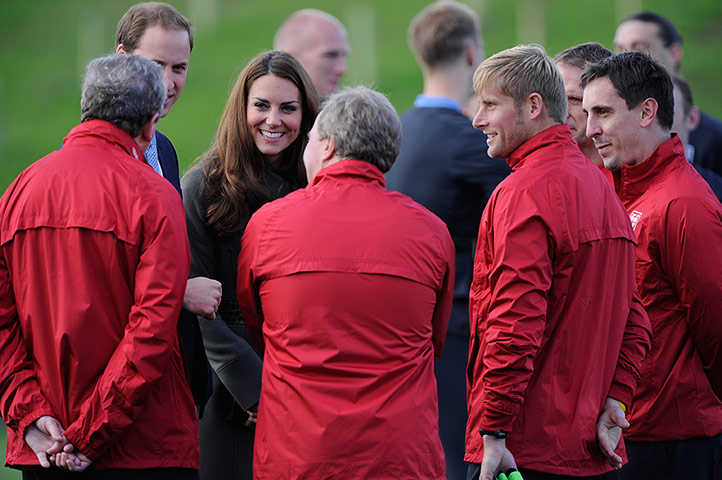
(120,49)
(676,50)
(693,118)
(648,112)
(471,54)
(328,149)
(534,105)
(149,129)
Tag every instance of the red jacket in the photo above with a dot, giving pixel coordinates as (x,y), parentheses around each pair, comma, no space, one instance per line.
(678,222)
(349,287)
(556,322)
(607,173)
(93,266)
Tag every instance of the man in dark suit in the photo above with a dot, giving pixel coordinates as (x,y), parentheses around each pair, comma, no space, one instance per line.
(168,159)
(686,119)
(159,32)
(444,166)
(657,36)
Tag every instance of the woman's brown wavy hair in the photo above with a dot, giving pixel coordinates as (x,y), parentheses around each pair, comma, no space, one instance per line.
(233,167)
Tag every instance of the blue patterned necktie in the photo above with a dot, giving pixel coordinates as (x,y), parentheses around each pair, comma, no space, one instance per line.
(151,156)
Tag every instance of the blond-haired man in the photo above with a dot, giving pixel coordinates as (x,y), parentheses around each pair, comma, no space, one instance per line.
(558,332)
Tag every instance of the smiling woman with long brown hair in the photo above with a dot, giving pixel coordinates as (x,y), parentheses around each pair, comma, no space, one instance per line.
(256,157)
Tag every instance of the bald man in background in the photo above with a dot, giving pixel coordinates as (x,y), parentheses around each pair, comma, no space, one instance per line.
(319,41)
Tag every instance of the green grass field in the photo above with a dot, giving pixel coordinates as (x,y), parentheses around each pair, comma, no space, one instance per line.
(45,44)
(6,473)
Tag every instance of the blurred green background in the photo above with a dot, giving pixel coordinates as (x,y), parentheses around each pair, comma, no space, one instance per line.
(45,44)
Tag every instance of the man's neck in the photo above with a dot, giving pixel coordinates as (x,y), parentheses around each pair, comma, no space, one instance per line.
(452,82)
(650,143)
(144,141)
(542,123)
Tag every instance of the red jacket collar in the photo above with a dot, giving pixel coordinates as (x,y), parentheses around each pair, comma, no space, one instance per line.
(345,170)
(557,133)
(635,179)
(106,131)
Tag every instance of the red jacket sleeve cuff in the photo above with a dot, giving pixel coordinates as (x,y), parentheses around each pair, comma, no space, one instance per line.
(621,393)
(31,417)
(74,437)
(495,417)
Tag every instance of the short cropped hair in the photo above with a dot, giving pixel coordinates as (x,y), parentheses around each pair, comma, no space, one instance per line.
(440,33)
(521,71)
(636,77)
(581,55)
(363,125)
(142,16)
(125,90)
(667,31)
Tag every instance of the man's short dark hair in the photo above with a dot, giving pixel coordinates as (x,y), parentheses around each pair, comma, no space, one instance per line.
(667,31)
(581,55)
(142,16)
(637,77)
(441,32)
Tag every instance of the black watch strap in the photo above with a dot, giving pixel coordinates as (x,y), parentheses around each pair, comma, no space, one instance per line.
(499,433)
